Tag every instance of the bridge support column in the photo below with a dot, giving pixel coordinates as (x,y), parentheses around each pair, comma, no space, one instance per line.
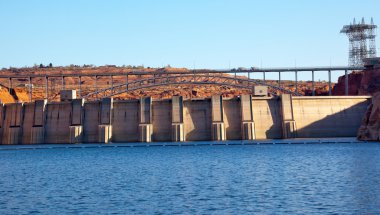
(38,129)
(76,127)
(13,121)
(145,126)
(218,130)
(178,130)
(248,124)
(289,128)
(105,125)
(30,89)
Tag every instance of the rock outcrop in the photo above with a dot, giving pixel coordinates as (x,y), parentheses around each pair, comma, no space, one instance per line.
(370,128)
(370,83)
(365,82)
(354,81)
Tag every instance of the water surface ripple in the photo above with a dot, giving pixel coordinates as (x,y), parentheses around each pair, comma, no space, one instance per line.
(261,179)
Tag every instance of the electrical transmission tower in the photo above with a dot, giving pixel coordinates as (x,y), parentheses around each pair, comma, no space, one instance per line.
(358,35)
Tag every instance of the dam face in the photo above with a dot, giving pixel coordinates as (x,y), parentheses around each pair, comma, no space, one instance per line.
(213,119)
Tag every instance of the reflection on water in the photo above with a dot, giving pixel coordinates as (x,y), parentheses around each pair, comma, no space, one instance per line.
(269,179)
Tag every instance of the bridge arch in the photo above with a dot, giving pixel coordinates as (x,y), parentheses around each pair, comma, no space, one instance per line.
(184,79)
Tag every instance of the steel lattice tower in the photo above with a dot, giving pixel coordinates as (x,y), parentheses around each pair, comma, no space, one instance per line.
(358,35)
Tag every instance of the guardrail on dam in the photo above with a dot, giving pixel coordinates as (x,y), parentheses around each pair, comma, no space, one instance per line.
(146,120)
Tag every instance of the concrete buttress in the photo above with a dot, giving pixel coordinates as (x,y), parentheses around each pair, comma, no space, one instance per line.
(178,130)
(38,128)
(248,124)
(218,129)
(145,125)
(105,121)
(289,127)
(76,125)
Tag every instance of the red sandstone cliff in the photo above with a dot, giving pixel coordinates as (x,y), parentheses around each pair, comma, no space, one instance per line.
(370,127)
(360,83)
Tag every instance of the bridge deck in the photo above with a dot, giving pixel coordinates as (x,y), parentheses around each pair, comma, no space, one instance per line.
(197,71)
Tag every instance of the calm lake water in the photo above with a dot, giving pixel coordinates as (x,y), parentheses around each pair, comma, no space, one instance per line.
(260,179)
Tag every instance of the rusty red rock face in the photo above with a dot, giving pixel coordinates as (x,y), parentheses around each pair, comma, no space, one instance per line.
(370,127)
(360,83)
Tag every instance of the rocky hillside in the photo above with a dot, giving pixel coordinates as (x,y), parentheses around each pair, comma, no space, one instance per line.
(20,90)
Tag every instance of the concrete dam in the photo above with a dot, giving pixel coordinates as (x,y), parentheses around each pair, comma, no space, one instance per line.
(177,120)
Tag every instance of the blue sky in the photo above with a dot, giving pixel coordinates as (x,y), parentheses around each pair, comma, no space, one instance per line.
(188,33)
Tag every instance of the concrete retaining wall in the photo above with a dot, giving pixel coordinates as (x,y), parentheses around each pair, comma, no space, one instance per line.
(267,117)
(190,120)
(232,114)
(328,116)
(58,121)
(91,121)
(162,120)
(197,120)
(125,121)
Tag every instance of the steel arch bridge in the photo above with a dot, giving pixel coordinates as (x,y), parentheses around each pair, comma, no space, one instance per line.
(185,79)
(175,77)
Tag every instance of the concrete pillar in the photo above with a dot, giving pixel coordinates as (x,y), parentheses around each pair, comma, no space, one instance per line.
(248,124)
(105,133)
(178,129)
(218,130)
(105,124)
(145,133)
(39,112)
(145,125)
(76,127)
(76,134)
(38,128)
(178,132)
(77,111)
(106,108)
(289,128)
